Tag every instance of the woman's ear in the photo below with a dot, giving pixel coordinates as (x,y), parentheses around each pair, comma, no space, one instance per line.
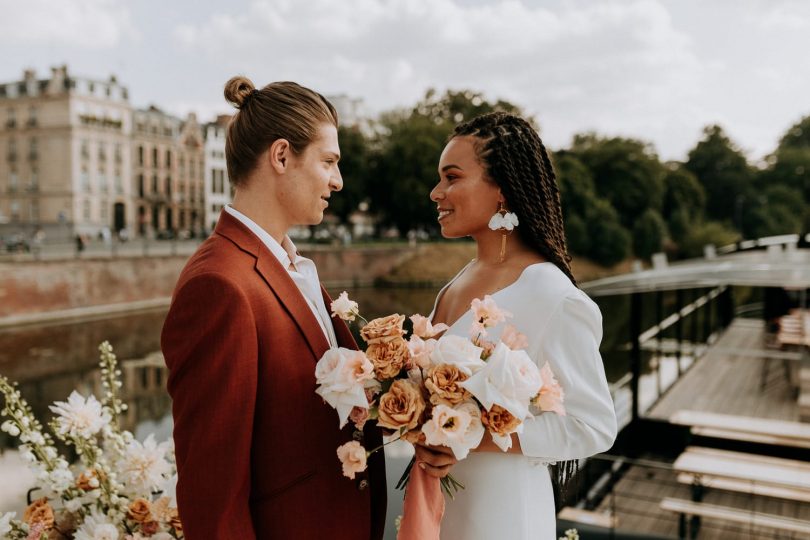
(279,155)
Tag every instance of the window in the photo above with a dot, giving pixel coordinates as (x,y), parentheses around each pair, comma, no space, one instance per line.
(168,158)
(12,150)
(140,155)
(118,155)
(15,210)
(13,181)
(34,184)
(85,180)
(12,118)
(32,116)
(140,186)
(169,186)
(102,152)
(34,210)
(105,211)
(86,210)
(155,161)
(119,183)
(154,184)
(85,149)
(102,181)
(32,151)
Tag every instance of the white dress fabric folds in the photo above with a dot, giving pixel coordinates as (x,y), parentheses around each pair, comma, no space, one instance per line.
(510,496)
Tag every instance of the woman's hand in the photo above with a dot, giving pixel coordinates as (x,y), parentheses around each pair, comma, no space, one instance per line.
(435,460)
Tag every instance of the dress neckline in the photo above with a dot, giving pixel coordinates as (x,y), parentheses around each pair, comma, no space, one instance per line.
(443,289)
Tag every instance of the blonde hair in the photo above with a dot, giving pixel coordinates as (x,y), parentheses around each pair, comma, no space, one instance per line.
(280,110)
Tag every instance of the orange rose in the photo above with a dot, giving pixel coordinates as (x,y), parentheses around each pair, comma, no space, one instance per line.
(140,510)
(442,382)
(499,421)
(388,357)
(383,329)
(89,480)
(175,521)
(39,511)
(401,406)
(150,527)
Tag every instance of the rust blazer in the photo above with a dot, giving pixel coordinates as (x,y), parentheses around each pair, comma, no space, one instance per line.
(256,447)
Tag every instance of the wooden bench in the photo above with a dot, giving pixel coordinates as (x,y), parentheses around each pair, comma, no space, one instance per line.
(746,473)
(744,428)
(746,517)
(580,515)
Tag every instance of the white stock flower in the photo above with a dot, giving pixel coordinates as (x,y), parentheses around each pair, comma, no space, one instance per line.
(79,417)
(10,428)
(73,505)
(345,308)
(341,375)
(509,379)
(143,467)
(169,490)
(61,479)
(97,526)
(5,523)
(457,351)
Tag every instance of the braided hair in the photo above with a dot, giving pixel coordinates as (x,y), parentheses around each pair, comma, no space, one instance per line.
(515,158)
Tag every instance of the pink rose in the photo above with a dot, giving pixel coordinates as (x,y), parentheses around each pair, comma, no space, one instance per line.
(353,457)
(341,375)
(423,328)
(420,351)
(551,395)
(514,339)
(358,416)
(487,314)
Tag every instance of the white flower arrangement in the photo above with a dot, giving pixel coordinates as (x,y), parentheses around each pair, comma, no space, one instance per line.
(120,488)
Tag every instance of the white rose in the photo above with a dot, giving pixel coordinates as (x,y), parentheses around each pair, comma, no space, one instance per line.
(341,375)
(509,379)
(458,427)
(344,308)
(457,351)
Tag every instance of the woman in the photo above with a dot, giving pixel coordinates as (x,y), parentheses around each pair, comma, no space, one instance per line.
(495,173)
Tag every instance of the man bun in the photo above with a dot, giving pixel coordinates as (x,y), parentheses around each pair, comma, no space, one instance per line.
(238,89)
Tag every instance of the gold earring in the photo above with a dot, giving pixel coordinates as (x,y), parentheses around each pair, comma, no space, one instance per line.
(504,221)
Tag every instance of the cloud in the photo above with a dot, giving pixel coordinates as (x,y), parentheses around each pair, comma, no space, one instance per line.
(92,24)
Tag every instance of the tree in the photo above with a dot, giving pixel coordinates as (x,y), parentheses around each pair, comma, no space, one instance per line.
(724,172)
(649,232)
(702,234)
(609,241)
(576,184)
(626,172)
(797,136)
(355,156)
(779,210)
(684,201)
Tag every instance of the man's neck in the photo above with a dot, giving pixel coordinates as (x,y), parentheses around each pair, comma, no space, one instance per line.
(262,211)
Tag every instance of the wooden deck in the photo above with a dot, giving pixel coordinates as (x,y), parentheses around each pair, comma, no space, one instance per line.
(727,379)
(636,498)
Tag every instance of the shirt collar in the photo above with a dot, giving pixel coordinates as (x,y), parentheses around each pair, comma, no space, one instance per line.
(284,252)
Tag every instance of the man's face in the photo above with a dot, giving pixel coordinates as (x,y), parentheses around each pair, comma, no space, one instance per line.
(311,178)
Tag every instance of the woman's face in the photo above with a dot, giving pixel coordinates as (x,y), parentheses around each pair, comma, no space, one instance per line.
(312,177)
(465,198)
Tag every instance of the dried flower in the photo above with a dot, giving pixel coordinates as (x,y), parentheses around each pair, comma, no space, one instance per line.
(353,457)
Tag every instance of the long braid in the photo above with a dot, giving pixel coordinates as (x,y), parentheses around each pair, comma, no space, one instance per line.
(516,159)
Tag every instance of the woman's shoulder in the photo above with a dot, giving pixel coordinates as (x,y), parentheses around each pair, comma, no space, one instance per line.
(547,285)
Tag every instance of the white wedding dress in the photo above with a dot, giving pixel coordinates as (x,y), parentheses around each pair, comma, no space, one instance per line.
(509,496)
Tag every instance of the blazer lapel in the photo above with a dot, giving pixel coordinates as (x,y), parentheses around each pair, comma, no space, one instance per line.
(278,279)
(342,333)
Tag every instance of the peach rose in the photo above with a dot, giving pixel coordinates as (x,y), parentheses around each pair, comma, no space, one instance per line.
(353,457)
(423,328)
(383,329)
(140,510)
(41,512)
(401,406)
(345,308)
(89,480)
(161,510)
(150,527)
(551,395)
(388,357)
(442,383)
(499,421)
(486,314)
(175,522)
(514,339)
(358,416)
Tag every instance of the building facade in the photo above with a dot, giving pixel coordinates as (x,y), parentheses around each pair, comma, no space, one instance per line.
(66,162)
(218,191)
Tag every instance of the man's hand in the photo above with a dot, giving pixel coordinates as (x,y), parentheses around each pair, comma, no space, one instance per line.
(435,460)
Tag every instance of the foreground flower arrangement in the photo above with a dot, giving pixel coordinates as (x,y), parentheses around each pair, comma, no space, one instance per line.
(120,488)
(449,390)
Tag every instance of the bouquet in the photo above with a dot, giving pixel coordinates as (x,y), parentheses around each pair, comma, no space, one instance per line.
(449,390)
(119,489)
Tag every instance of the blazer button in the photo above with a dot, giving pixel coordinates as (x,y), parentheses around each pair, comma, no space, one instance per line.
(362,484)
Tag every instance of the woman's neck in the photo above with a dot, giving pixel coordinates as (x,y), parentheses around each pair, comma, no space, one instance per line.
(489,243)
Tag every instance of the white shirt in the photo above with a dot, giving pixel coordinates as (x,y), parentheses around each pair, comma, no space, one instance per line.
(301,270)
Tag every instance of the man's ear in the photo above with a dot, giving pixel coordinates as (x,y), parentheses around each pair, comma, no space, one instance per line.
(279,155)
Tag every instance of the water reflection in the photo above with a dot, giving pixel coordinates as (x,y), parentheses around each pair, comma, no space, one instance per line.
(50,362)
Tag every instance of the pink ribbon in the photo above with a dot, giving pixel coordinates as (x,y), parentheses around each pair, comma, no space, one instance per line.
(423,507)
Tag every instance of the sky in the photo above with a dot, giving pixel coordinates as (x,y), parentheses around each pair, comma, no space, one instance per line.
(655,70)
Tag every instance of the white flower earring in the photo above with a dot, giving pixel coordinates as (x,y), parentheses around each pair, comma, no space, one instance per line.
(504,221)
